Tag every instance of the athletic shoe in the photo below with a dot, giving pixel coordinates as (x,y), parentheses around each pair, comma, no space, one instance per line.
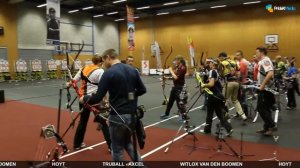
(207,130)
(80,147)
(229,133)
(164,116)
(269,132)
(262,131)
(236,115)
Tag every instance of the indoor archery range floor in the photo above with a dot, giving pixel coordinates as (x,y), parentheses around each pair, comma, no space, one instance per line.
(31,105)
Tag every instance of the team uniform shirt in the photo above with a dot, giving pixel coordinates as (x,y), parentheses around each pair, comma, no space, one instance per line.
(230,68)
(217,88)
(93,73)
(264,66)
(180,73)
(243,64)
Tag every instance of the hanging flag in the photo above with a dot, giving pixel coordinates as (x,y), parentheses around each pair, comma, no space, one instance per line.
(53,20)
(130,28)
(192,50)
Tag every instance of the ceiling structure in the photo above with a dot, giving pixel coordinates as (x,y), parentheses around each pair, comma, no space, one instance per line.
(116,9)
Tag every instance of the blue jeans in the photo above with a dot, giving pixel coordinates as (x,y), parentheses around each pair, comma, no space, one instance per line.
(121,138)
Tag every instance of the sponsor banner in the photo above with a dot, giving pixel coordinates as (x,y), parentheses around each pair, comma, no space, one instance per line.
(145,67)
(130,28)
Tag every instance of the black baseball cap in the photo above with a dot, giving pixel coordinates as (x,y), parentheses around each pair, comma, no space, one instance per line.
(51,10)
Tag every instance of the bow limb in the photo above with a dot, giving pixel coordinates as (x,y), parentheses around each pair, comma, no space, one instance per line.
(74,83)
(164,77)
(199,77)
(69,78)
(201,59)
(77,55)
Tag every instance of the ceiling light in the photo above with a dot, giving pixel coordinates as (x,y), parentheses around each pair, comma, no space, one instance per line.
(171,3)
(112,13)
(73,11)
(136,17)
(98,15)
(253,2)
(119,1)
(119,20)
(144,7)
(42,5)
(164,13)
(86,8)
(188,10)
(221,6)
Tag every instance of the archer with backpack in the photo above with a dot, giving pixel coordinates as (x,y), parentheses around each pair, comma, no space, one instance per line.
(229,70)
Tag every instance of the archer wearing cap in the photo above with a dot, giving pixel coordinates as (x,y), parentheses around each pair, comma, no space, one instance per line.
(215,101)
(230,71)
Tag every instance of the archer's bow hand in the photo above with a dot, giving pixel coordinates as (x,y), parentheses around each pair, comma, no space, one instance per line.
(204,86)
(81,100)
(262,87)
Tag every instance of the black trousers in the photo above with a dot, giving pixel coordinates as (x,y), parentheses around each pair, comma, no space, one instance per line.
(174,96)
(81,128)
(291,97)
(243,100)
(205,100)
(216,105)
(265,103)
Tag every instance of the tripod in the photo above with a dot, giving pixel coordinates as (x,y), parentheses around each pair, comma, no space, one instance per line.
(194,147)
(220,139)
(241,155)
(185,124)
